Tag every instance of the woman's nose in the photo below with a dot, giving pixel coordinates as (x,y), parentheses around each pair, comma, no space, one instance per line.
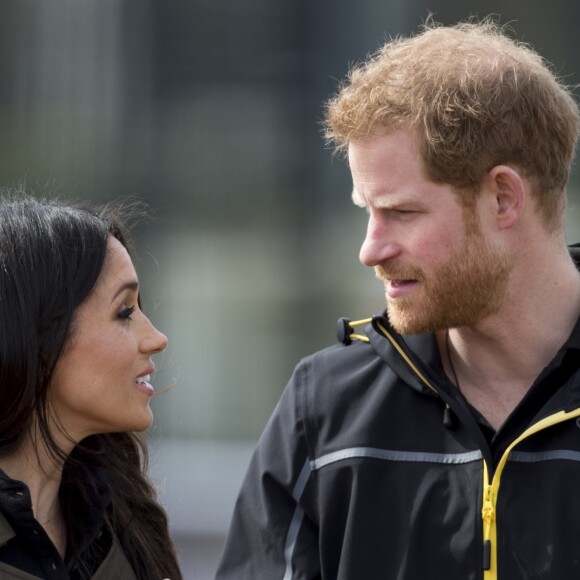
(154,340)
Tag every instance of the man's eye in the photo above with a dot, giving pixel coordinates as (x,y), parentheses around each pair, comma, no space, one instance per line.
(126,313)
(404,213)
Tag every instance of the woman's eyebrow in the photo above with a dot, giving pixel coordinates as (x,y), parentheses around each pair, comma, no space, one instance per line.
(132,285)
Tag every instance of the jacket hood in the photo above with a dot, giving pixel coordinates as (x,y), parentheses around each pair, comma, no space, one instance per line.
(414,358)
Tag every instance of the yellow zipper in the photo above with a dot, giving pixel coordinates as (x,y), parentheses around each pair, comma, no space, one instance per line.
(491,489)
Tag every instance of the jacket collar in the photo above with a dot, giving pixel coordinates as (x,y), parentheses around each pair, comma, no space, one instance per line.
(6,531)
(414,358)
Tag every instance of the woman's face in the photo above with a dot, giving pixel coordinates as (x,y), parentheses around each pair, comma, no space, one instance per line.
(101,383)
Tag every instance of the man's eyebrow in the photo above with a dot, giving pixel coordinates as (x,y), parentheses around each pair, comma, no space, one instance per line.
(132,285)
(378,202)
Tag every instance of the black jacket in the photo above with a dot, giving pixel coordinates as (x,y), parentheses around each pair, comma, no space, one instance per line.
(26,551)
(373,466)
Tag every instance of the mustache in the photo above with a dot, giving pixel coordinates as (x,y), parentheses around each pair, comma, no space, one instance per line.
(386,273)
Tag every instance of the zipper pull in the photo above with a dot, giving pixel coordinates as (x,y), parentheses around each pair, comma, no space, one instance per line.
(488,514)
(486,554)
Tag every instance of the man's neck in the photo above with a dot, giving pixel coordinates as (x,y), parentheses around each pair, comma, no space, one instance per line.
(497,361)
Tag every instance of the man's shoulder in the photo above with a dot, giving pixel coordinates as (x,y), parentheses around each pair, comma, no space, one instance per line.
(364,367)
(338,359)
(369,346)
(340,373)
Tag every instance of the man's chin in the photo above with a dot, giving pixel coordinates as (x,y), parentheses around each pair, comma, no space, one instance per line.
(405,323)
(408,318)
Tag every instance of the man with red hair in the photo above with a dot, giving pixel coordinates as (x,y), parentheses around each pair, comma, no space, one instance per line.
(445,441)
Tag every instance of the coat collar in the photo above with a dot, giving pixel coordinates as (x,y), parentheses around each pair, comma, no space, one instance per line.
(6,531)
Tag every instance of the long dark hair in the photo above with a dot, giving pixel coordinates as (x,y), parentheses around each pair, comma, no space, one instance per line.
(51,255)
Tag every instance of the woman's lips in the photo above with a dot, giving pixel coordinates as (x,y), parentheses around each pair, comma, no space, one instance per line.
(144,385)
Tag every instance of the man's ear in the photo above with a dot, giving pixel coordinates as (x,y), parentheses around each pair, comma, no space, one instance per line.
(507,191)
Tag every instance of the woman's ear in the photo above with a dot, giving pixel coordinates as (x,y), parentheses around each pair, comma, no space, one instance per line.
(507,191)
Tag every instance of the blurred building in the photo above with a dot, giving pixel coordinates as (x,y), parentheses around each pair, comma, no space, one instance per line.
(210,112)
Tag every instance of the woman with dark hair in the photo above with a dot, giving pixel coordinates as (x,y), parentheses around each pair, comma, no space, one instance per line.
(75,366)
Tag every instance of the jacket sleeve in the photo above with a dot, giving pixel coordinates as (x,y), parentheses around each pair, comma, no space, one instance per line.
(272,534)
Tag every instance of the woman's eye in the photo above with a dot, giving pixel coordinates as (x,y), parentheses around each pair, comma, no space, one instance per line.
(126,312)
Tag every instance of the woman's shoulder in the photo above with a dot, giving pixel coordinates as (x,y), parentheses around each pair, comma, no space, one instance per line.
(115,564)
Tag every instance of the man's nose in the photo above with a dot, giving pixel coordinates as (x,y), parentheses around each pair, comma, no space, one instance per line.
(379,245)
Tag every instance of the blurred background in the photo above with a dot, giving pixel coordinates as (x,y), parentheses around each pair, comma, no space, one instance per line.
(209,111)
